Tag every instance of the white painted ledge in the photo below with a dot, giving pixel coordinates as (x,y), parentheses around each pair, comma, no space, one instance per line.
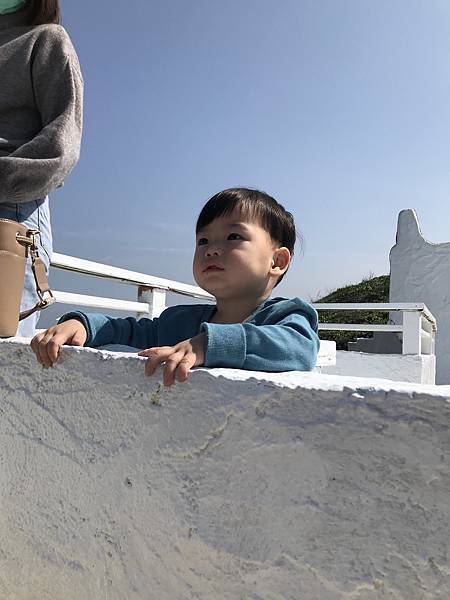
(233,485)
(325,358)
(413,368)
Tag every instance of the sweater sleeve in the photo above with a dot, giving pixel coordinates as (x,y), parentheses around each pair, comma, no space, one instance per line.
(41,165)
(291,344)
(102,330)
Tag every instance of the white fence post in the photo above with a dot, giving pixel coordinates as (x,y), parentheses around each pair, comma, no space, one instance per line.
(155,298)
(412,332)
(428,336)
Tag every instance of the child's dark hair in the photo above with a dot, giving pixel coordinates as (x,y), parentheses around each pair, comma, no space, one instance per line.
(44,12)
(253,205)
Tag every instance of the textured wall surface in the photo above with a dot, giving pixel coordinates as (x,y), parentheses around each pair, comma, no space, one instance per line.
(235,485)
(420,272)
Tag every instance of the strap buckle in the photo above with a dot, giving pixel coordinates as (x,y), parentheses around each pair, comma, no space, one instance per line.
(29,240)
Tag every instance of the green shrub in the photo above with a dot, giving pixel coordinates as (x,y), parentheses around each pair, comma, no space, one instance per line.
(375,289)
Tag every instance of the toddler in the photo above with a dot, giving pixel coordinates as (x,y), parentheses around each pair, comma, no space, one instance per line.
(244,245)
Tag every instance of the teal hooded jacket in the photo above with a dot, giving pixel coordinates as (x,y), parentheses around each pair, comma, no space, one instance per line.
(280,335)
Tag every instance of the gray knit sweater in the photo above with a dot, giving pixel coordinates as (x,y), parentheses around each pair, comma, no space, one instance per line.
(41,98)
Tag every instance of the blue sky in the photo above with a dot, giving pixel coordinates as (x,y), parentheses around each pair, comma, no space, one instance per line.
(338,108)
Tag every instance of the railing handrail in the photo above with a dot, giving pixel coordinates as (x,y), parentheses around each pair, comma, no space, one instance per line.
(88,267)
(360,327)
(379,306)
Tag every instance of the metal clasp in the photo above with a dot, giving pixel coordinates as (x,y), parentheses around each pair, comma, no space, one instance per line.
(30,241)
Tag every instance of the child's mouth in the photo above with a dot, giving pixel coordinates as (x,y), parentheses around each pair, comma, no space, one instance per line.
(213,268)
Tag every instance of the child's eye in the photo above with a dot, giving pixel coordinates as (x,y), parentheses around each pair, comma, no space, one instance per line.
(202,241)
(235,236)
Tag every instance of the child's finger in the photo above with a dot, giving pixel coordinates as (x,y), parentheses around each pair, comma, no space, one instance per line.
(78,339)
(146,352)
(184,367)
(170,367)
(157,350)
(42,355)
(155,356)
(35,344)
(54,347)
(53,350)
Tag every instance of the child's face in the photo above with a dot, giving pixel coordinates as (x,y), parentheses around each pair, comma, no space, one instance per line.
(233,257)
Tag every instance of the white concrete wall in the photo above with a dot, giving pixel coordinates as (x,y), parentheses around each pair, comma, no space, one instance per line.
(397,367)
(236,485)
(420,272)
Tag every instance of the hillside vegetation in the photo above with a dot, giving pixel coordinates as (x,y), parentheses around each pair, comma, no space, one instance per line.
(375,289)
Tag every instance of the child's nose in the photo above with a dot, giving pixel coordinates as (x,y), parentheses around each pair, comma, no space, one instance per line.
(213,251)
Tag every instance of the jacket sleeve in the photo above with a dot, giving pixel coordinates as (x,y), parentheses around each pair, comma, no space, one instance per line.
(102,330)
(41,165)
(291,344)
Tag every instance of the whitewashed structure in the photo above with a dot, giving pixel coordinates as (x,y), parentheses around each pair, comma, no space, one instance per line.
(234,485)
(420,272)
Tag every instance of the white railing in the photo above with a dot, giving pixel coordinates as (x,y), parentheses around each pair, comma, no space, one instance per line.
(417,328)
(151,291)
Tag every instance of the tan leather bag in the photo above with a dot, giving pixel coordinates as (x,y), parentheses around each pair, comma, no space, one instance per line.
(17,243)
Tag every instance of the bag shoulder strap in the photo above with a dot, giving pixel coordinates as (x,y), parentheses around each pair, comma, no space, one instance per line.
(40,276)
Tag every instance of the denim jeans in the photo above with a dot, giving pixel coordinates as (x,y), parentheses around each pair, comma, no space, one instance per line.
(35,215)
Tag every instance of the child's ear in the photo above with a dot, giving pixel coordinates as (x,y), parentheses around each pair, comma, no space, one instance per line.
(280,261)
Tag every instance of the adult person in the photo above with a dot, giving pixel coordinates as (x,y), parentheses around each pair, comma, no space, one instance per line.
(41,97)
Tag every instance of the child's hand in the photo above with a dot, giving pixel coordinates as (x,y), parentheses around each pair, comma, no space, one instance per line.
(47,345)
(179,359)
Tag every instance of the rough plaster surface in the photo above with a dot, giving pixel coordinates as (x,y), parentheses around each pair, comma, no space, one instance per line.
(236,485)
(397,367)
(420,272)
